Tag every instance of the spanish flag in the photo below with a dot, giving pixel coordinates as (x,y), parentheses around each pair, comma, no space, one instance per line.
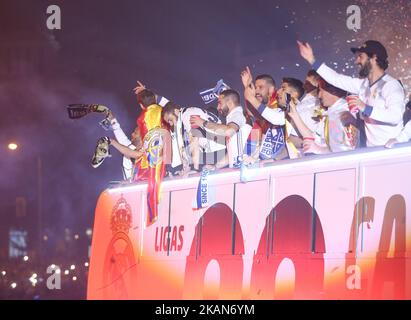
(148,120)
(155,151)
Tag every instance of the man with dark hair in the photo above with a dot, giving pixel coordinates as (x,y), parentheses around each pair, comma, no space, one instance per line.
(264,87)
(290,87)
(265,91)
(295,85)
(330,134)
(149,118)
(236,129)
(231,95)
(262,143)
(381,98)
(306,107)
(187,140)
(146,98)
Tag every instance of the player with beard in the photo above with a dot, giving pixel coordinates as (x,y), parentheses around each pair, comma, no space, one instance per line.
(236,129)
(381,98)
(265,93)
(292,88)
(187,141)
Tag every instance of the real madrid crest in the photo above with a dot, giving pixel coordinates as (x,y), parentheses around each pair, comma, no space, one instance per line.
(153,144)
(121,217)
(120,273)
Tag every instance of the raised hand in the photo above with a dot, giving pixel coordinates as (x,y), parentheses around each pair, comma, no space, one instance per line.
(109,114)
(249,93)
(246,77)
(140,87)
(306,51)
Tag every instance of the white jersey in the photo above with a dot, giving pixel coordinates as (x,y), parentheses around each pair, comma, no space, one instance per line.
(305,110)
(237,142)
(275,116)
(339,138)
(385,100)
(186,113)
(207,145)
(180,135)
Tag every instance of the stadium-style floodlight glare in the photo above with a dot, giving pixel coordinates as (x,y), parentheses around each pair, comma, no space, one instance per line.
(25,258)
(13,285)
(12,146)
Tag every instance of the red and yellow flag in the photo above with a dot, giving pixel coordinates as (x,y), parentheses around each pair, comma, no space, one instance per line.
(155,151)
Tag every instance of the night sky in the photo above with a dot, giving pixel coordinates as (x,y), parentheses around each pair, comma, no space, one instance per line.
(177,48)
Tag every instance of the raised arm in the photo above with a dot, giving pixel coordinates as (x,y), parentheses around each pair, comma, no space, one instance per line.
(349,84)
(246,77)
(125,151)
(275,116)
(227,130)
(299,123)
(161,101)
(118,132)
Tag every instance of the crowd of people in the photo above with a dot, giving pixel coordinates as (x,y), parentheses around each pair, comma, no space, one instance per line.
(328,112)
(38,279)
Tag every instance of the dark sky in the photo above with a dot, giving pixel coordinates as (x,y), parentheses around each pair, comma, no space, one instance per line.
(176,47)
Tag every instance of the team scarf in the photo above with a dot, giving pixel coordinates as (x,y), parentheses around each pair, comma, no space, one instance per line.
(202,198)
(273,140)
(272,143)
(211,95)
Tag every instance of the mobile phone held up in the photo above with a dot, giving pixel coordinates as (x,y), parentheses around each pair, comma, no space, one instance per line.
(287,102)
